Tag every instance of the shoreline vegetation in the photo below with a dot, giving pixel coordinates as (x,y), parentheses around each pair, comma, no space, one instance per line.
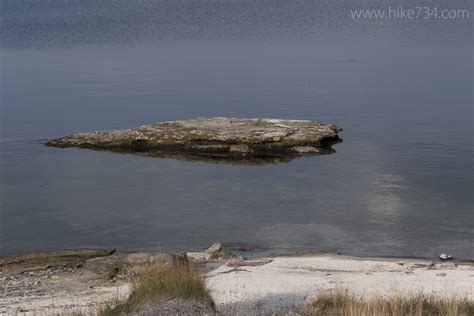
(161,288)
(219,281)
(343,303)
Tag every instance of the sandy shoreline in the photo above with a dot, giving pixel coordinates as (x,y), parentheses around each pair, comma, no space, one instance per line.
(282,282)
(268,283)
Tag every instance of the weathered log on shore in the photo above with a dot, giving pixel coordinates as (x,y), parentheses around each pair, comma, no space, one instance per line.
(214,139)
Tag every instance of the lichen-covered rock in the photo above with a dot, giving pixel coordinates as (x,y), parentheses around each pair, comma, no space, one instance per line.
(306,149)
(216,138)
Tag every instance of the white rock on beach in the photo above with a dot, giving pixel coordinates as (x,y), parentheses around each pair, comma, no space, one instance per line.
(445,257)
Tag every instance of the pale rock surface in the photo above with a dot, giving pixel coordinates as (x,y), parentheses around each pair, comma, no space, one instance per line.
(217,138)
(283,282)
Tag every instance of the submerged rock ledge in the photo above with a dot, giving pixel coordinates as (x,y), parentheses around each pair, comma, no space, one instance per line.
(234,140)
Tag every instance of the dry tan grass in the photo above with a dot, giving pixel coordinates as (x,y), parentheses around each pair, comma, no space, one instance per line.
(174,281)
(343,303)
(162,282)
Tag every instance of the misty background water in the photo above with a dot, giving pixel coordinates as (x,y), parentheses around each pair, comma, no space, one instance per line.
(400,184)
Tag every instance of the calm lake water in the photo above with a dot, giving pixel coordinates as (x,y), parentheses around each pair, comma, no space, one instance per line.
(400,184)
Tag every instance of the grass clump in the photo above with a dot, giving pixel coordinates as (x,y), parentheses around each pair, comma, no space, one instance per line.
(343,303)
(160,283)
(176,281)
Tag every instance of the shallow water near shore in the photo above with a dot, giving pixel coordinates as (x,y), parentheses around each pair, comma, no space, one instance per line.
(400,183)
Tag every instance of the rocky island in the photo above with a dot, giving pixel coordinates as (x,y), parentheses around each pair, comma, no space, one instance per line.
(235,140)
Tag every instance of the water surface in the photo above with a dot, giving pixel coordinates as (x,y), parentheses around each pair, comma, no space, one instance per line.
(400,184)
